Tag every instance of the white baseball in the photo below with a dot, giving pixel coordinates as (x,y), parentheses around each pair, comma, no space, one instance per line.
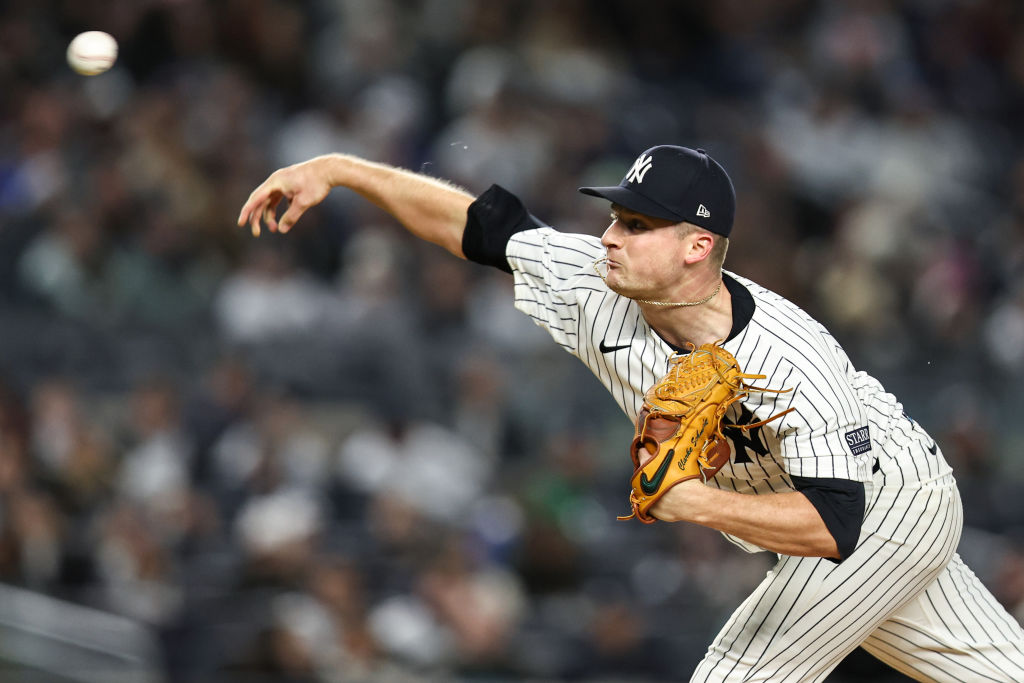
(92,52)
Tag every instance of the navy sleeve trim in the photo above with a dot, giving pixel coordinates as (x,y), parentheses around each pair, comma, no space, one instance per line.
(492,219)
(840,502)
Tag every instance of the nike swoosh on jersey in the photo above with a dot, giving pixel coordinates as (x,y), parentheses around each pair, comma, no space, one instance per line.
(608,349)
(933,449)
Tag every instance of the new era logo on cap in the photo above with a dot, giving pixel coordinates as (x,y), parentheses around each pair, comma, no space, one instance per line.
(668,181)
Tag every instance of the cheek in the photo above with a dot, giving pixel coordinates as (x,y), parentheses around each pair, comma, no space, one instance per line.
(659,261)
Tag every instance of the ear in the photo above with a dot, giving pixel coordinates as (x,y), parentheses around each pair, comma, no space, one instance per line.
(701,244)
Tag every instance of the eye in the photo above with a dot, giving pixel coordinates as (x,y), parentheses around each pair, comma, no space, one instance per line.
(632,225)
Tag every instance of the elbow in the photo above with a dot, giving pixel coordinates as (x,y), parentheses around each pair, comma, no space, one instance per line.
(828,548)
(815,543)
(837,510)
(825,544)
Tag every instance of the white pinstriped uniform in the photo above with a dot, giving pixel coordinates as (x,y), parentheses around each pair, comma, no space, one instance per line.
(904,594)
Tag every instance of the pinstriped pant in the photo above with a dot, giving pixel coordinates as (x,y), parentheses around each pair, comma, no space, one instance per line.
(904,594)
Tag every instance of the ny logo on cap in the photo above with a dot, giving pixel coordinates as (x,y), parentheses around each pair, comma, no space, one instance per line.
(640,168)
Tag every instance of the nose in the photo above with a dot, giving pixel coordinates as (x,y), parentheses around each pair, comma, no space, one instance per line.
(611,236)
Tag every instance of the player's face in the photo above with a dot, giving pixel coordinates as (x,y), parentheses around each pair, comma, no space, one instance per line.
(645,255)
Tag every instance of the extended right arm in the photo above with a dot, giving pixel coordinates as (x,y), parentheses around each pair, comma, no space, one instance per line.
(431,209)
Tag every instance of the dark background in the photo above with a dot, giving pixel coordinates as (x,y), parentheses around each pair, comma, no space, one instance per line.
(341,454)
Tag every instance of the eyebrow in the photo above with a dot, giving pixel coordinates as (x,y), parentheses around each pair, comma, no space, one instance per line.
(651,222)
(629,215)
(626,213)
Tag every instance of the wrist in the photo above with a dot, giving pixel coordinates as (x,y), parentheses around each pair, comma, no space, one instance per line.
(332,168)
(684,502)
(697,502)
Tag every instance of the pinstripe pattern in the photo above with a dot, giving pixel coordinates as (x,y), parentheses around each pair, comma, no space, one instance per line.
(904,593)
(556,285)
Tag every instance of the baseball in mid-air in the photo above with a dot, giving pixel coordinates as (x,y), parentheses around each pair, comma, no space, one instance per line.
(92,52)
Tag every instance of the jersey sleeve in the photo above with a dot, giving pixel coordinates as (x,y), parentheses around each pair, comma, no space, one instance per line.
(840,503)
(491,220)
(553,273)
(827,436)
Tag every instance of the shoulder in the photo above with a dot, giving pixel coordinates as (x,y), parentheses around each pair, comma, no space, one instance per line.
(550,238)
(783,339)
(763,295)
(560,251)
(781,319)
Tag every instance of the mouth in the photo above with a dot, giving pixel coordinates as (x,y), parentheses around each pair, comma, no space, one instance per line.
(608,265)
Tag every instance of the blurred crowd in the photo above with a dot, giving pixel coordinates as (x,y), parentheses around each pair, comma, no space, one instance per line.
(341,454)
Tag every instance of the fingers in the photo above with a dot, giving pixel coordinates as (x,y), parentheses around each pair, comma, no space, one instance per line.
(253,210)
(269,214)
(295,209)
(261,208)
(258,214)
(256,198)
(254,223)
(266,214)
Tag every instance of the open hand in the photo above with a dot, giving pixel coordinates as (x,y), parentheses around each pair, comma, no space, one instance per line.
(302,185)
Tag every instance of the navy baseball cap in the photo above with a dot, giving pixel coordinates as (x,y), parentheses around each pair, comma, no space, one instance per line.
(678,184)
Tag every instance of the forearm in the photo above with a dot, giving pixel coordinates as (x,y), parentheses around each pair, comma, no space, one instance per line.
(431,209)
(785,523)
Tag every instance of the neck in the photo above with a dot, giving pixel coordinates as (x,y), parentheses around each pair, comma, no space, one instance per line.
(703,324)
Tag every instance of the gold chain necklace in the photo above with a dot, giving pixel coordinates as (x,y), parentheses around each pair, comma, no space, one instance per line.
(706,299)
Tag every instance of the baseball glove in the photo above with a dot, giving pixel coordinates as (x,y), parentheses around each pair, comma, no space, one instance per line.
(679,429)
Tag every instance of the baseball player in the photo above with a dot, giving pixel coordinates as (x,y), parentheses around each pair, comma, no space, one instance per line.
(854,497)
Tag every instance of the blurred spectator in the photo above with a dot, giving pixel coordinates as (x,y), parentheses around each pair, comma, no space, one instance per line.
(277,448)
(420,463)
(341,590)
(38,528)
(277,532)
(76,454)
(479,606)
(159,281)
(64,266)
(154,472)
(270,297)
(136,569)
(1004,332)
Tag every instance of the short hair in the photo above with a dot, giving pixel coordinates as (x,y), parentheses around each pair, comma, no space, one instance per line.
(721,243)
(719,251)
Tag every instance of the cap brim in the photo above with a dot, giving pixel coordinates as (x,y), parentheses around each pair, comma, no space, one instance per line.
(625,197)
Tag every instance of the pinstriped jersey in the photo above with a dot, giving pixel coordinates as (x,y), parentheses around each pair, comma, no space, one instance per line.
(839,418)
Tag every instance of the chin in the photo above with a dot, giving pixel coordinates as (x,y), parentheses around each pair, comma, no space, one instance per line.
(623,289)
(617,287)
(627,292)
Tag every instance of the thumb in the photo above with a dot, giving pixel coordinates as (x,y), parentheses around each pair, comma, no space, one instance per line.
(291,216)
